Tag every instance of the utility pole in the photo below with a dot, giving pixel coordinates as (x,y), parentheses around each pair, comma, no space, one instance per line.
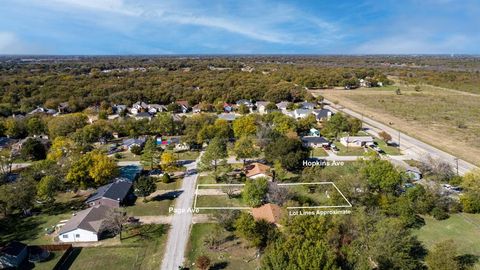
(399,139)
(456,161)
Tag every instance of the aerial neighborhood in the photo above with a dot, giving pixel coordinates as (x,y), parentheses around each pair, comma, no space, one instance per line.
(243,177)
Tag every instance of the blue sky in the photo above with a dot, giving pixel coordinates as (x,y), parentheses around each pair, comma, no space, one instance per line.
(239,27)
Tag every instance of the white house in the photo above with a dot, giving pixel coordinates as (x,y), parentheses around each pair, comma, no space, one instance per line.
(314,141)
(139,107)
(156,108)
(262,107)
(307,105)
(282,106)
(301,113)
(356,141)
(84,226)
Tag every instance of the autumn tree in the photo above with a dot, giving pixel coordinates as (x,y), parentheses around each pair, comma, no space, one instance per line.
(48,187)
(244,148)
(168,161)
(203,262)
(244,126)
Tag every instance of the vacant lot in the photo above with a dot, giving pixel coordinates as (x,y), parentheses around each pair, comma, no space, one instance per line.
(464,229)
(232,253)
(447,119)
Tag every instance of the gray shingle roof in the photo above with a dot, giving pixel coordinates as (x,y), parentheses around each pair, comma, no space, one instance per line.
(117,190)
(89,219)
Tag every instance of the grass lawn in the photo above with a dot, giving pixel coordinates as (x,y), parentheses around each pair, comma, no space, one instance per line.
(232,254)
(390,150)
(140,249)
(208,179)
(463,228)
(218,201)
(169,186)
(351,151)
(319,152)
(48,265)
(31,230)
(187,155)
(127,156)
(155,206)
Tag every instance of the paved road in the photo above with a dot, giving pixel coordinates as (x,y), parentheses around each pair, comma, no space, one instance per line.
(181,221)
(408,144)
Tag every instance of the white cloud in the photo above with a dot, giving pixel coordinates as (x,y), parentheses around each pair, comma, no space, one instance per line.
(10,44)
(264,25)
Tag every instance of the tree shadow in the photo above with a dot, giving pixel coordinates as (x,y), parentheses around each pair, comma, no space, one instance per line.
(70,259)
(171,195)
(219,266)
(18,227)
(467,261)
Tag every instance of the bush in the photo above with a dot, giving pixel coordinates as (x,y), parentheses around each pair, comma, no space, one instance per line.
(439,213)
(118,156)
(166,178)
(471,202)
(136,150)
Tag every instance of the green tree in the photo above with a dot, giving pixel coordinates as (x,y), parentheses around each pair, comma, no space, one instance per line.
(92,169)
(258,233)
(254,191)
(144,186)
(66,124)
(36,126)
(290,152)
(163,124)
(215,152)
(15,128)
(48,187)
(150,157)
(33,149)
(337,124)
(136,149)
(244,148)
(243,109)
(381,175)
(443,256)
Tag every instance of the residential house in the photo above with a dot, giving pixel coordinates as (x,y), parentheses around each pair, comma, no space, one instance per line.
(128,143)
(322,115)
(156,108)
(227,107)
(356,141)
(115,194)
(63,107)
(119,108)
(13,255)
(307,105)
(245,102)
(301,113)
(138,107)
(365,83)
(196,108)
(143,115)
(283,106)
(41,110)
(315,141)
(269,212)
(84,226)
(414,173)
(262,107)
(184,106)
(257,170)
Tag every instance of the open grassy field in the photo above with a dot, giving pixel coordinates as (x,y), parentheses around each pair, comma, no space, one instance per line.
(447,119)
(233,253)
(219,201)
(350,151)
(464,229)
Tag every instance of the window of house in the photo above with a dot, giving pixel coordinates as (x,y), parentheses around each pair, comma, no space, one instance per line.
(65,236)
(77,235)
